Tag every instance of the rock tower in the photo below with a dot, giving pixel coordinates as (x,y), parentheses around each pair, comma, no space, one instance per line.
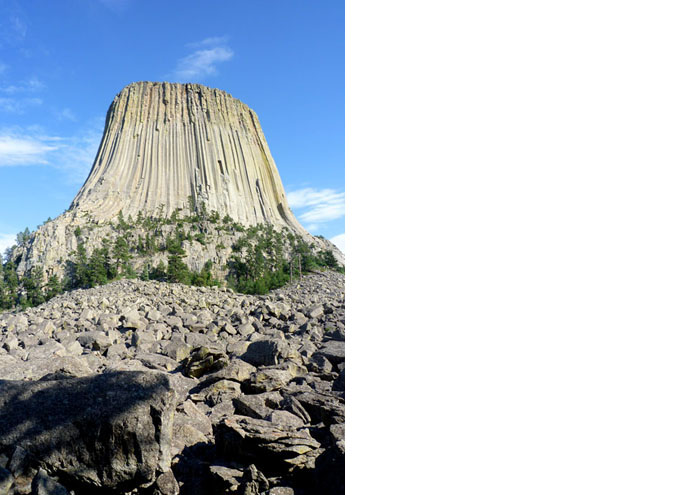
(167,144)
(171,148)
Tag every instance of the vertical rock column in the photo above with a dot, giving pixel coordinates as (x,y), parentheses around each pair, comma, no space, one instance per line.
(165,142)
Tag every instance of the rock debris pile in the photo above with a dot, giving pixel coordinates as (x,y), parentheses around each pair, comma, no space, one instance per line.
(155,388)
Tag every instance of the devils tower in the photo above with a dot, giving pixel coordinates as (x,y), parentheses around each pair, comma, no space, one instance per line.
(165,143)
(171,150)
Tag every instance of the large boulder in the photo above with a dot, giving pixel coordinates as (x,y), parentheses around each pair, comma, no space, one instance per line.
(14,369)
(279,448)
(111,431)
(204,360)
(265,352)
(334,350)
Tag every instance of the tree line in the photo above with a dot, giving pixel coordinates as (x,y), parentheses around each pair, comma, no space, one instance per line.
(262,259)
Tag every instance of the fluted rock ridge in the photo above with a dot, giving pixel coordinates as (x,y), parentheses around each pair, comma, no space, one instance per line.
(167,143)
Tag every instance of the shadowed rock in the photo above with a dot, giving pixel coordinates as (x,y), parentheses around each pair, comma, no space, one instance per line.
(105,431)
(280,448)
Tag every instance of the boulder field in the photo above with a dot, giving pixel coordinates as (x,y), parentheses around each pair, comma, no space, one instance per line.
(156,388)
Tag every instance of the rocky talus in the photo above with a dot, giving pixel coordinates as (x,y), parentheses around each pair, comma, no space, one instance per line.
(154,388)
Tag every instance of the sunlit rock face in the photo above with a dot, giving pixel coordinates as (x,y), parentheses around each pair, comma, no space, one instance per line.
(169,147)
(166,144)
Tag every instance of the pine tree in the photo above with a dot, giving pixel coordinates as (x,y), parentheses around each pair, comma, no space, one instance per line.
(53,287)
(23,237)
(121,254)
(177,271)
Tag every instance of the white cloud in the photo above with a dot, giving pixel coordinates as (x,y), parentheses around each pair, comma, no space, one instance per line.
(202,62)
(6,240)
(324,213)
(73,155)
(339,241)
(317,206)
(23,151)
(208,42)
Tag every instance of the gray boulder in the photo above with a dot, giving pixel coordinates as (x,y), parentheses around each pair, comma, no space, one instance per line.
(226,480)
(95,340)
(265,352)
(334,350)
(276,448)
(323,408)
(166,484)
(237,370)
(43,484)
(111,431)
(258,405)
(35,369)
(204,360)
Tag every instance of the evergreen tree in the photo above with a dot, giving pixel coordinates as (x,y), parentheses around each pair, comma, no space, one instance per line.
(159,273)
(4,293)
(53,287)
(31,285)
(121,254)
(327,258)
(205,277)
(97,268)
(122,226)
(177,271)
(81,268)
(23,237)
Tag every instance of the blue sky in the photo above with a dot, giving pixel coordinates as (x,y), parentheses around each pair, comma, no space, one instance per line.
(61,64)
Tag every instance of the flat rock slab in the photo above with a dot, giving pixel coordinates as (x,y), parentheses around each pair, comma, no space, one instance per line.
(37,368)
(279,448)
(334,350)
(105,431)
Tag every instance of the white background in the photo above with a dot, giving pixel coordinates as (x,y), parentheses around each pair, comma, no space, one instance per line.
(521,239)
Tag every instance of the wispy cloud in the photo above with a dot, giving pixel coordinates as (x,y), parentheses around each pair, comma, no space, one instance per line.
(16,99)
(28,86)
(204,60)
(73,155)
(13,30)
(18,26)
(6,240)
(66,114)
(18,105)
(316,206)
(23,151)
(339,241)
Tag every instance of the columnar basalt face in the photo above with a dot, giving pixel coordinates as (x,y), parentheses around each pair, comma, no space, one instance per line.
(165,144)
(167,147)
